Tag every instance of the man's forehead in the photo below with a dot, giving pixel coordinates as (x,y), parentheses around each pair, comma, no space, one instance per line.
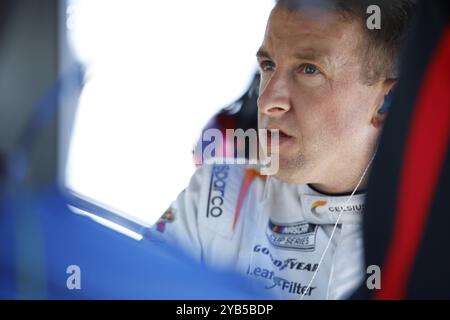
(312,31)
(310,18)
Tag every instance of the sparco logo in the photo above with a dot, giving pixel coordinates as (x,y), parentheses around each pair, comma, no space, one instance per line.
(217,191)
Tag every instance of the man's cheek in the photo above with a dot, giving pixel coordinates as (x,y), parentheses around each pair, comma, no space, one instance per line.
(337,120)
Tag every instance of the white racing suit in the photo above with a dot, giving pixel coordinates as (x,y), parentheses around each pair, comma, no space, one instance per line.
(276,233)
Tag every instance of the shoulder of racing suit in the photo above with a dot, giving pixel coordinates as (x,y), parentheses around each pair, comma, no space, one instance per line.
(211,203)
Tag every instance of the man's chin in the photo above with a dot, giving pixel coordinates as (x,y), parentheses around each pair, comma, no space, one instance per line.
(290,171)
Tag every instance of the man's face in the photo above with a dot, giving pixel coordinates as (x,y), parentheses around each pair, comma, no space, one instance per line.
(312,90)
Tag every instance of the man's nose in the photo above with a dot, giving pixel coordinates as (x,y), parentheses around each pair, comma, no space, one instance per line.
(274,98)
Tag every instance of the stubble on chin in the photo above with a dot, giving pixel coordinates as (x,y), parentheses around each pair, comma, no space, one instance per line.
(292,170)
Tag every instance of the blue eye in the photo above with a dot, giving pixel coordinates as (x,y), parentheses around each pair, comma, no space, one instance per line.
(310,69)
(267,66)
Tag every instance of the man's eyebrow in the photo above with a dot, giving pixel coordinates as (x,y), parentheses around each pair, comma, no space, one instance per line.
(261,53)
(310,54)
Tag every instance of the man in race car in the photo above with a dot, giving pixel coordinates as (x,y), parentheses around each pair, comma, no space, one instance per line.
(324,78)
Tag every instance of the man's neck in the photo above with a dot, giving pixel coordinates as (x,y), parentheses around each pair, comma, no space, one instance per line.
(340,187)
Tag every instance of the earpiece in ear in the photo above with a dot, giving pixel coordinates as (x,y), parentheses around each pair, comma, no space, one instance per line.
(387,103)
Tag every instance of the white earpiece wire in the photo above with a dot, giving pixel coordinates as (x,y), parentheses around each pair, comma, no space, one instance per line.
(335,226)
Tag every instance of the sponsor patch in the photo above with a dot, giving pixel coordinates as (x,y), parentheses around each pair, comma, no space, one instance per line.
(288,264)
(168,216)
(217,189)
(298,236)
(282,284)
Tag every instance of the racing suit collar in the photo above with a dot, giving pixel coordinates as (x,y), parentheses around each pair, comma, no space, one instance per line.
(334,194)
(282,200)
(319,208)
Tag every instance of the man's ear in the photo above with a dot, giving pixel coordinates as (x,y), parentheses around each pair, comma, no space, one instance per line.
(380,113)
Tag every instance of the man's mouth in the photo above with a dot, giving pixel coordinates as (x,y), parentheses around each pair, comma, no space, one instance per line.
(282,135)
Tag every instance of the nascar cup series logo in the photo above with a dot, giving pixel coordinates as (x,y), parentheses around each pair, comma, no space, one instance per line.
(297,236)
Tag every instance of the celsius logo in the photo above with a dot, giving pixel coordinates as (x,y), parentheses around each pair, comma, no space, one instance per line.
(317,204)
(354,208)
